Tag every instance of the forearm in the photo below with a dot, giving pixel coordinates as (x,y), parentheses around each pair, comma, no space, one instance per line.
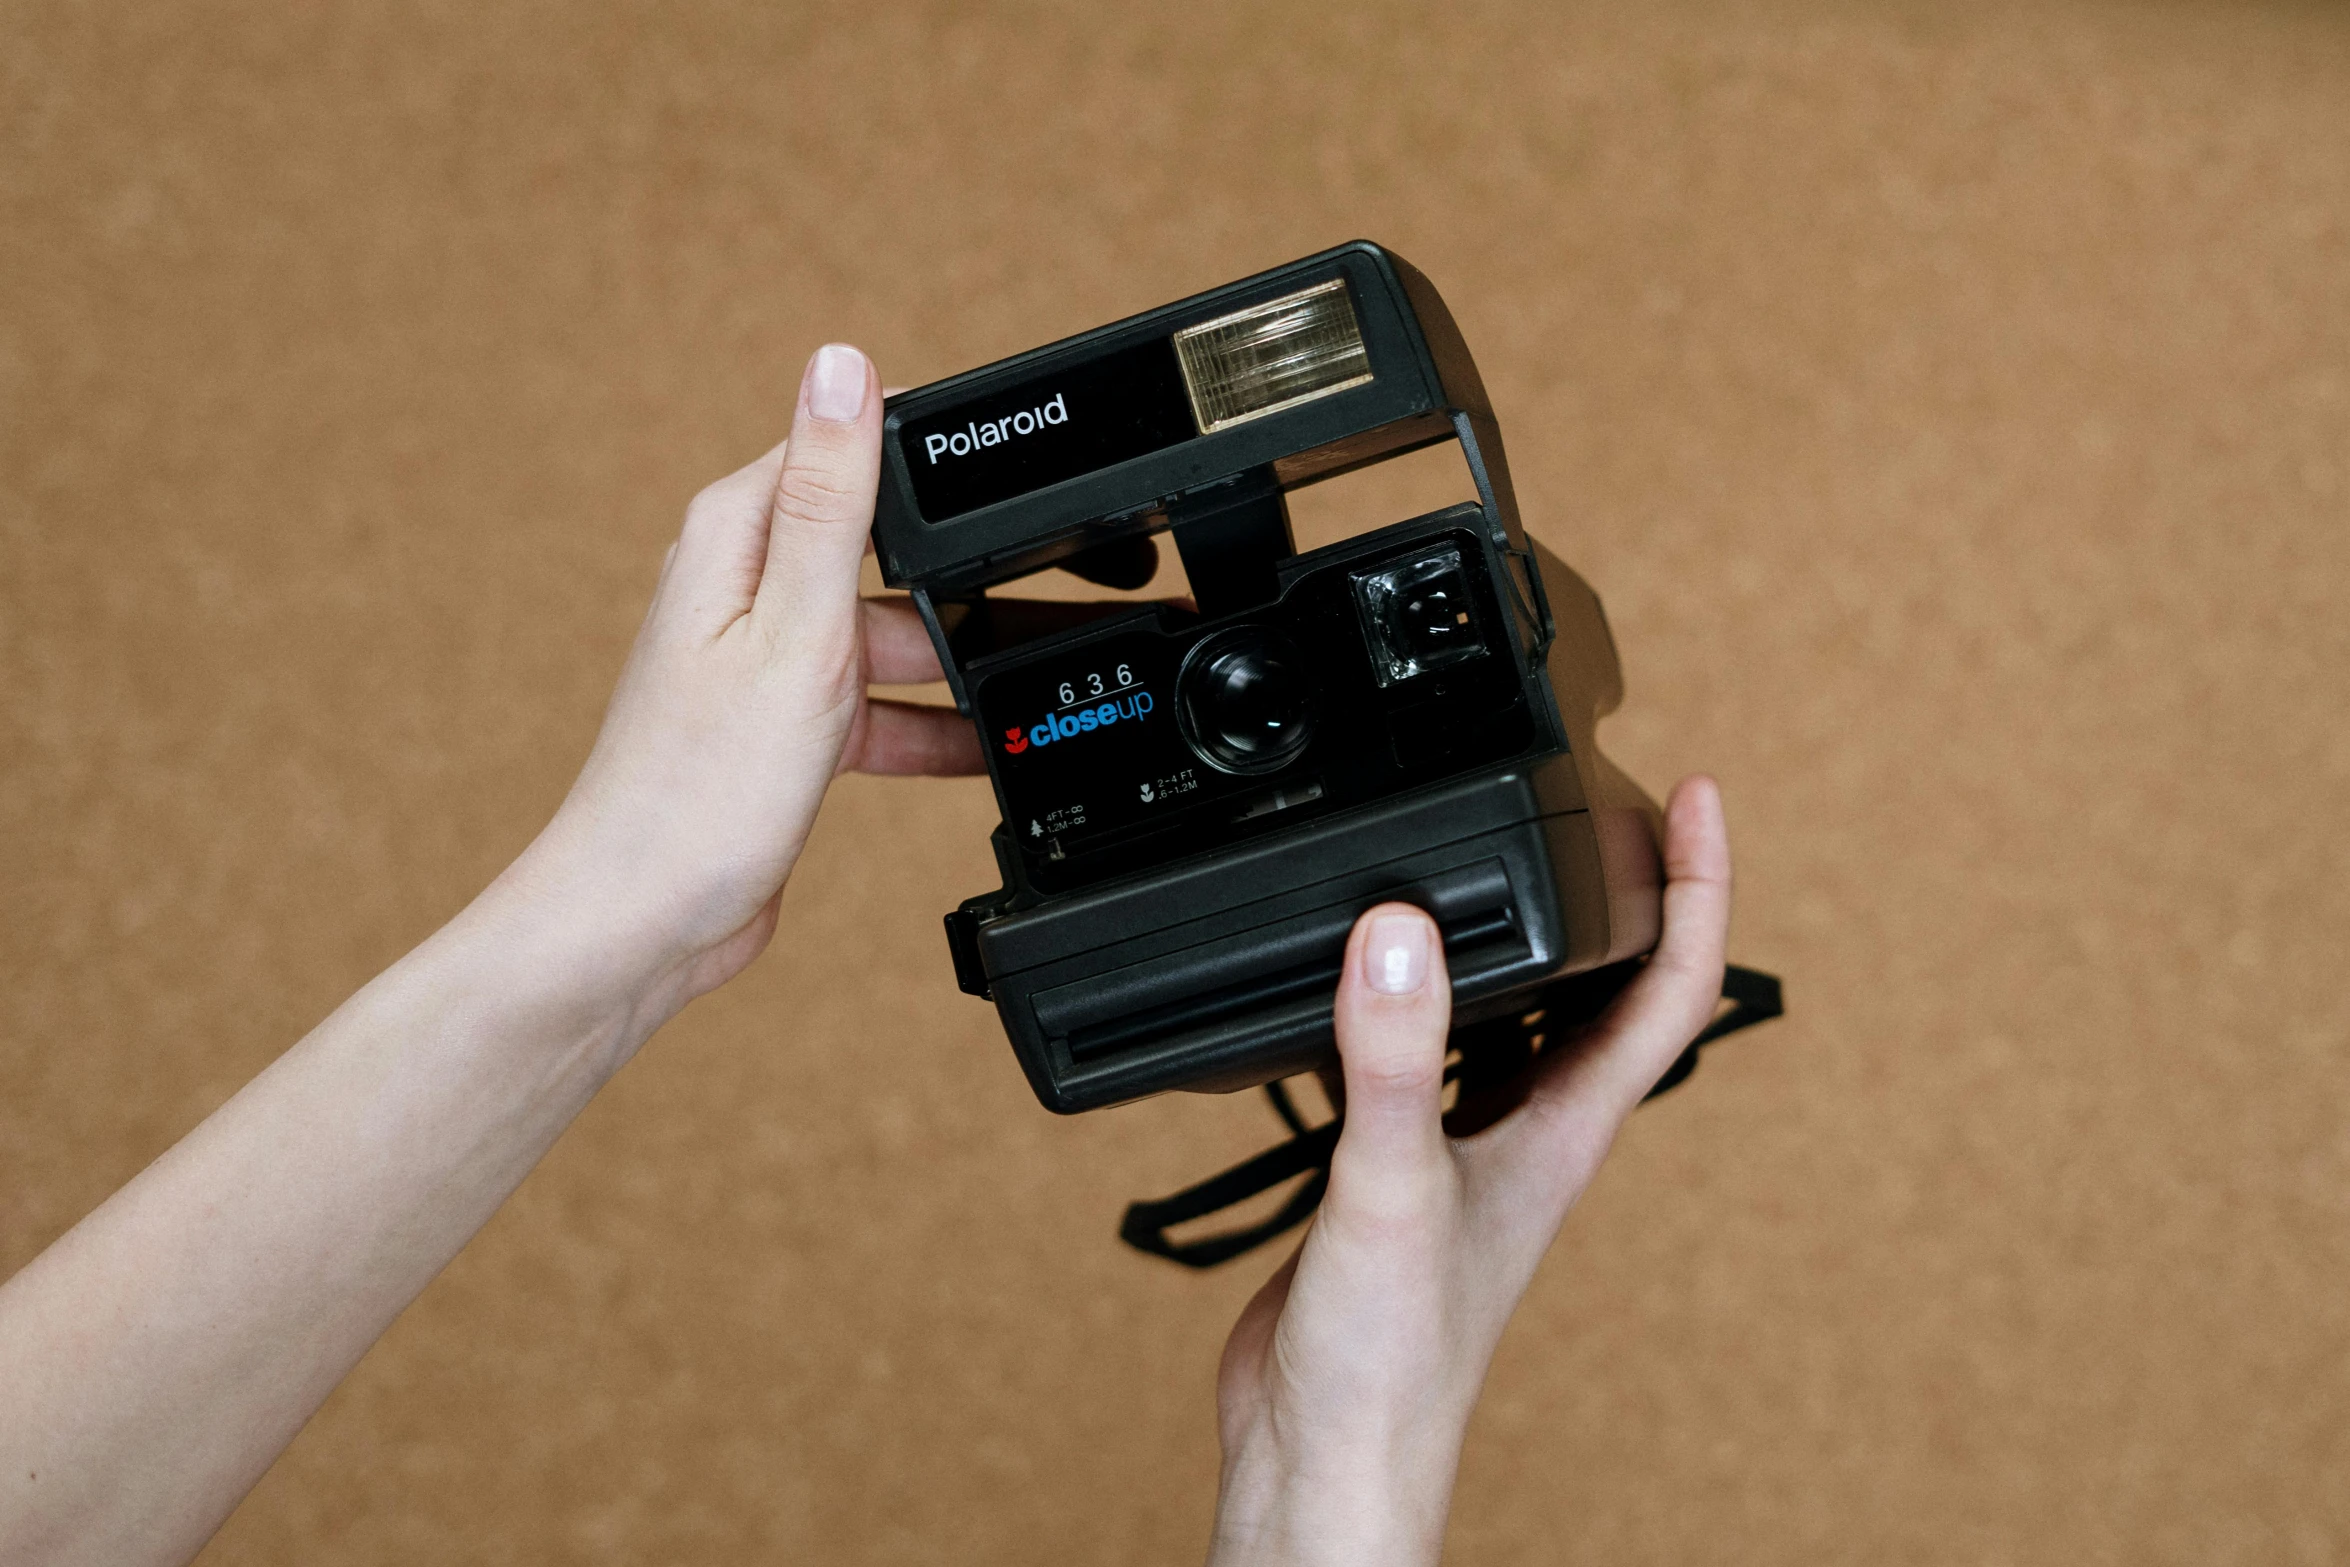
(158,1357)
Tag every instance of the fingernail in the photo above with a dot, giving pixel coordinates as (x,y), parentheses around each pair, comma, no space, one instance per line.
(1395,958)
(836,383)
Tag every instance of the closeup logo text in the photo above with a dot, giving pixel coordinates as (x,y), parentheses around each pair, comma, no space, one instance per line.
(1128,709)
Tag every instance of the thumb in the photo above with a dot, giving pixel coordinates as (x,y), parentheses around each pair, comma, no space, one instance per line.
(1393,1014)
(822,511)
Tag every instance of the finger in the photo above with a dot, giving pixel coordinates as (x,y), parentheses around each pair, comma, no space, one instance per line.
(1393,1011)
(1241,1372)
(821,511)
(898,646)
(1600,1078)
(910,738)
(1678,990)
(1129,563)
(1015,620)
(898,649)
(712,573)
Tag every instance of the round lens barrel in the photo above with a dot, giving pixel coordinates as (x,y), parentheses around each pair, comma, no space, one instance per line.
(1245,701)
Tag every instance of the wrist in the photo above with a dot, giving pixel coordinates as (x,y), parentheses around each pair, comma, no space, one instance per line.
(625,912)
(559,966)
(666,904)
(1363,1509)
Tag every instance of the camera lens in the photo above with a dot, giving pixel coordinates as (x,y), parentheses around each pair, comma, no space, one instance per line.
(1245,701)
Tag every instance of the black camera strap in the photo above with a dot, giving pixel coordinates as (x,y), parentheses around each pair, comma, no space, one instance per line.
(1493,1058)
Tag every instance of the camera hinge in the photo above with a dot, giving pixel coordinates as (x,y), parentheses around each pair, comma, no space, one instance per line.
(1537,614)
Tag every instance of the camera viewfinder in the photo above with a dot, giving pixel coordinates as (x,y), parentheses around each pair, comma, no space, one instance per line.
(1418,615)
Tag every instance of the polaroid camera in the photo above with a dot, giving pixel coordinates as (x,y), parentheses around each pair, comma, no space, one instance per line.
(1198,801)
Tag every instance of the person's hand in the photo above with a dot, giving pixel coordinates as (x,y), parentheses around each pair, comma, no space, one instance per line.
(743,698)
(1348,1383)
(160,1356)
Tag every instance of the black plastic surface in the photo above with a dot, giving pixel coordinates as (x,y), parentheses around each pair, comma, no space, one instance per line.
(956,549)
(1100,753)
(1220,975)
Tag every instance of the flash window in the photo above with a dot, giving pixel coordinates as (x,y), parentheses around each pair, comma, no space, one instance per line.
(1272,356)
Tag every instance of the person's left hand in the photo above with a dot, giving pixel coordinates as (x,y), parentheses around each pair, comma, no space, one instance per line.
(743,698)
(1348,1382)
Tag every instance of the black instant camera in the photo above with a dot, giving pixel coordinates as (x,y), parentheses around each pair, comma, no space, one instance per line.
(1198,803)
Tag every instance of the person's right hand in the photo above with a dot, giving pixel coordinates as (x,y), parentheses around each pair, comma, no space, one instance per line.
(1348,1382)
(157,1359)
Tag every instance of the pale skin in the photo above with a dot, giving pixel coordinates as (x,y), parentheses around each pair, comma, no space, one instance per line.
(157,1358)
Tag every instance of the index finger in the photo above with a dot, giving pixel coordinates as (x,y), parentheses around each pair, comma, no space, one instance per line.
(1584,1089)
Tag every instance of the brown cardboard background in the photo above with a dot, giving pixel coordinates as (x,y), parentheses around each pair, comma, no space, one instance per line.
(1951,404)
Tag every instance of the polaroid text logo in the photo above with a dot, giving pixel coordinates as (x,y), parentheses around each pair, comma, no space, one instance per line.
(1067,726)
(974,435)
